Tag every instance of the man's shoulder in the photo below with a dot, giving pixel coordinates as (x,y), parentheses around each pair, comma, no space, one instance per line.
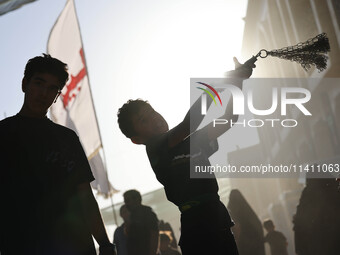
(63,129)
(148,217)
(156,148)
(275,235)
(279,234)
(162,140)
(7,120)
(13,120)
(157,141)
(145,209)
(8,124)
(119,229)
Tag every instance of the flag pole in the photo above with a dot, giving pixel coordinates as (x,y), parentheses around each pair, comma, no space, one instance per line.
(95,114)
(90,91)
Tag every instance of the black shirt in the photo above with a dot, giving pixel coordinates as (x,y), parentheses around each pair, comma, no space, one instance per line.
(172,166)
(143,221)
(277,242)
(41,165)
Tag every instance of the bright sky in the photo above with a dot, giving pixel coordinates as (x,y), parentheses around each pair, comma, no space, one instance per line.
(134,49)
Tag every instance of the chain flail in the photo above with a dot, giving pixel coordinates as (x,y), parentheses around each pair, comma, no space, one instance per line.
(310,53)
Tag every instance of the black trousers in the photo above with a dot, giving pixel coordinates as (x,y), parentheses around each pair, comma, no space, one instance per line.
(203,242)
(205,230)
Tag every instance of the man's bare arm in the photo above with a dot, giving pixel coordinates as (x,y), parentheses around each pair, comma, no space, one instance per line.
(94,219)
(236,77)
(190,123)
(194,117)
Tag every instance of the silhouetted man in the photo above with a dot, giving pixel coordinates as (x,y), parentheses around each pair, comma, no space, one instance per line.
(120,234)
(142,230)
(47,203)
(165,247)
(205,222)
(276,240)
(248,229)
(317,221)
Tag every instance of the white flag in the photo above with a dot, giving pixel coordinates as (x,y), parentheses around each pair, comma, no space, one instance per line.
(74,109)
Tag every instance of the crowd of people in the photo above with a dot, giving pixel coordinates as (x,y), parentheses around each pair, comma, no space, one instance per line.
(141,231)
(44,164)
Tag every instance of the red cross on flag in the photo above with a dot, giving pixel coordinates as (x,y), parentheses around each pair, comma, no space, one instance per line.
(74,109)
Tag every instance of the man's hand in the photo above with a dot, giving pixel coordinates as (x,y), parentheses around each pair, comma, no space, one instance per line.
(236,78)
(94,219)
(242,71)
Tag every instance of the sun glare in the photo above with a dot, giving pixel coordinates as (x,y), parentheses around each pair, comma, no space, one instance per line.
(167,53)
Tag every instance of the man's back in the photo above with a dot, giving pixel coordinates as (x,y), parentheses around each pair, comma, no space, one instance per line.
(120,240)
(277,242)
(142,221)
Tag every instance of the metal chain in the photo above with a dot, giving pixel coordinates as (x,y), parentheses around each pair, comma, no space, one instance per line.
(306,53)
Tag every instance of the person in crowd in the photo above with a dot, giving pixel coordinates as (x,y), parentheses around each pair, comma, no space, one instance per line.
(165,247)
(205,221)
(248,228)
(120,234)
(142,230)
(316,221)
(47,203)
(276,240)
(166,227)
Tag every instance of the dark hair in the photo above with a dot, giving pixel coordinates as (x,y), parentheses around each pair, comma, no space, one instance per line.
(47,64)
(122,208)
(125,114)
(268,224)
(132,193)
(163,237)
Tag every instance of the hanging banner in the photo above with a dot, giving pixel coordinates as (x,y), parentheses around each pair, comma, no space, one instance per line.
(74,109)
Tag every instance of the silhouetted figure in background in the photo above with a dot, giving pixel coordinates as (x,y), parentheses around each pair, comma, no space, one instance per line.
(317,218)
(166,227)
(165,247)
(47,205)
(205,222)
(142,230)
(277,241)
(248,228)
(120,234)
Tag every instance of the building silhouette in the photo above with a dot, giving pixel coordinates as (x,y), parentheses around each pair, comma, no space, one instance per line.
(274,24)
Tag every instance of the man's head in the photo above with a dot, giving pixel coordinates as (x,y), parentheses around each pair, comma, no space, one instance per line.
(132,199)
(47,64)
(164,241)
(139,121)
(268,225)
(124,213)
(44,78)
